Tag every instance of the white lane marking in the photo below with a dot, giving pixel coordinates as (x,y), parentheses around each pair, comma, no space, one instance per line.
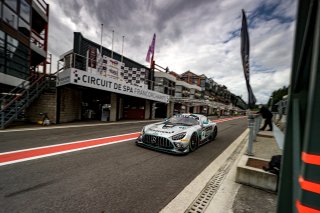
(63,152)
(74,126)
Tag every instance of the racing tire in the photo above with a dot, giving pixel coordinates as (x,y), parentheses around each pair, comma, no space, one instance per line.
(193,144)
(214,133)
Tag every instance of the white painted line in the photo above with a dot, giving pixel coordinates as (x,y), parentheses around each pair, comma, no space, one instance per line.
(63,152)
(75,126)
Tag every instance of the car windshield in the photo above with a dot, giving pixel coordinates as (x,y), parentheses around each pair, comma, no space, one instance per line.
(183,120)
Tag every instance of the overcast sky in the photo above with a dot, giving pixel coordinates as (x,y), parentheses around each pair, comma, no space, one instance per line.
(197,35)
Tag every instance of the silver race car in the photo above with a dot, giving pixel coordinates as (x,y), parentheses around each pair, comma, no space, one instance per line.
(179,134)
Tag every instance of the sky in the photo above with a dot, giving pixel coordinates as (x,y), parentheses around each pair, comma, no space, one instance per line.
(202,36)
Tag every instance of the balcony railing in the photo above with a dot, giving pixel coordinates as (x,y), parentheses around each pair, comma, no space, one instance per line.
(37,39)
(42,5)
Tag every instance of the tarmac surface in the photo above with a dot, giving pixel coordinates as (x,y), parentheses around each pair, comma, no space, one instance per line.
(226,195)
(117,178)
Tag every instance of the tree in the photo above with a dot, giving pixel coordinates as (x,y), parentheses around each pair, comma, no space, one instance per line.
(277,96)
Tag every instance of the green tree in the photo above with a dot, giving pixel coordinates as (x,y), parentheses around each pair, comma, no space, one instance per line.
(277,96)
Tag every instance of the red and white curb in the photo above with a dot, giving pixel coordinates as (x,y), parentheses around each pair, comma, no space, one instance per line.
(46,151)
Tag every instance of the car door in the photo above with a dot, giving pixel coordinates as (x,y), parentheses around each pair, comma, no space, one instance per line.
(206,128)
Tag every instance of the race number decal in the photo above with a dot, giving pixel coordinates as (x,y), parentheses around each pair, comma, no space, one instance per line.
(203,134)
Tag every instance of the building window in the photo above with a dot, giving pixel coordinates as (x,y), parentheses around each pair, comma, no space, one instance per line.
(178,88)
(10,17)
(16,58)
(12,4)
(24,28)
(159,89)
(1,51)
(25,11)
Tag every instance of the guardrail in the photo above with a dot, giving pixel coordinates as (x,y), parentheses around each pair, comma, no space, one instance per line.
(37,39)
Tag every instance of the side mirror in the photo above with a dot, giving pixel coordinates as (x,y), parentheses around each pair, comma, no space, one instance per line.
(205,122)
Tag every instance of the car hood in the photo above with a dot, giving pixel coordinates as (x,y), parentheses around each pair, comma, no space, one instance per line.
(165,130)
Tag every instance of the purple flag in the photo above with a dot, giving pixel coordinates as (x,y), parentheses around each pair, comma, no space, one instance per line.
(151,48)
(148,55)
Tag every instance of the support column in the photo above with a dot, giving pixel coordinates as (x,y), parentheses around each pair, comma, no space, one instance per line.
(153,110)
(147,110)
(120,108)
(210,110)
(170,107)
(187,108)
(114,107)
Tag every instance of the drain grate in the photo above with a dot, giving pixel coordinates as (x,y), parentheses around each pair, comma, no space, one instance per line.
(202,201)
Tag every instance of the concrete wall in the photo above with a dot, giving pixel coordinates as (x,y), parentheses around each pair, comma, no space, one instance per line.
(46,102)
(70,105)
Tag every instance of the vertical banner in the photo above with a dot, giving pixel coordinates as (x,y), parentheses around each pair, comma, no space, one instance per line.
(151,49)
(92,57)
(245,49)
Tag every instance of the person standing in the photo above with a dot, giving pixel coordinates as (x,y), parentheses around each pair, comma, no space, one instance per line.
(267,115)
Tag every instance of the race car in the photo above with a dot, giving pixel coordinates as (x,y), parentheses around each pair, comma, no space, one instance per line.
(180,134)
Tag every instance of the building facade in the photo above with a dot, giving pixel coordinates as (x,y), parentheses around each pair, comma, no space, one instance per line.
(23,40)
(107,86)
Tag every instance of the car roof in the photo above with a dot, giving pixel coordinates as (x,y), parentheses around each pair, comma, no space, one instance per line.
(192,114)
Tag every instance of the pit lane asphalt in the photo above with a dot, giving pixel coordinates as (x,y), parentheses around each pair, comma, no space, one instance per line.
(115,178)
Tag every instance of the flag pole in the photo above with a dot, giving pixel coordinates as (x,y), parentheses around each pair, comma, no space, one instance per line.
(101,39)
(112,44)
(122,49)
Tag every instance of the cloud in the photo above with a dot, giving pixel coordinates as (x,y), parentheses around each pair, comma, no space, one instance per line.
(201,36)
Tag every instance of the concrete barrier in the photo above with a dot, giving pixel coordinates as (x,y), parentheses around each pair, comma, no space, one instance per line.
(253,176)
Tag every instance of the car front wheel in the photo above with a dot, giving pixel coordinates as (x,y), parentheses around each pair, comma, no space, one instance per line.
(193,142)
(214,133)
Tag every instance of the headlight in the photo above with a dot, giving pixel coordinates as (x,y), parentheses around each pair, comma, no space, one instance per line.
(179,136)
(141,134)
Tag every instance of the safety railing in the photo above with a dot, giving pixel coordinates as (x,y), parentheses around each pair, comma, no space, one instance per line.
(254,121)
(13,105)
(37,39)
(42,5)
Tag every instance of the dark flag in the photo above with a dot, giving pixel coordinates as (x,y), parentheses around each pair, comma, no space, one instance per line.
(245,49)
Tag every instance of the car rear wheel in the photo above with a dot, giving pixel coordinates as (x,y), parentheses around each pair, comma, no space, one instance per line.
(214,133)
(193,142)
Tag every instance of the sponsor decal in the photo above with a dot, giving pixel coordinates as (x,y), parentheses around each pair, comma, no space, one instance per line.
(62,79)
